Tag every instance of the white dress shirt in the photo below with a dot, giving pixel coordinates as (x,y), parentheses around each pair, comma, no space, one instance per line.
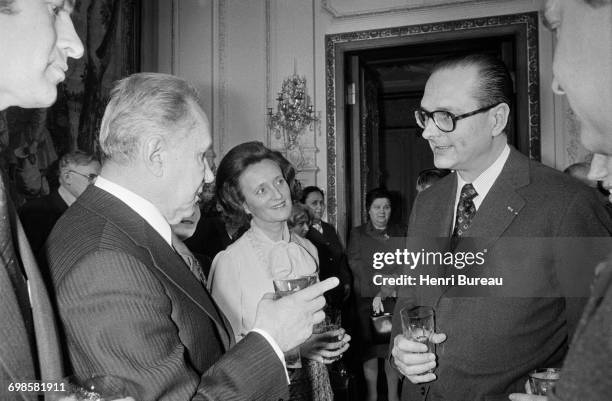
(483,183)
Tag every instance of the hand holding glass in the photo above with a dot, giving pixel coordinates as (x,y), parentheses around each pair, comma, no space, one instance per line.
(284,287)
(332,322)
(418,325)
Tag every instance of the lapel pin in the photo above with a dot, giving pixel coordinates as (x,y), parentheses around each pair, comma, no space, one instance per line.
(512,211)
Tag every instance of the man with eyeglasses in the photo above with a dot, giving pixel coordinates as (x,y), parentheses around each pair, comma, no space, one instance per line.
(515,212)
(77,170)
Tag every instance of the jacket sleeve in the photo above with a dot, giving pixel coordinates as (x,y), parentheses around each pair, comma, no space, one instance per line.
(123,326)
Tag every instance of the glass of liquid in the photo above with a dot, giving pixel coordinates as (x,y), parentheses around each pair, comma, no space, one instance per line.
(418,325)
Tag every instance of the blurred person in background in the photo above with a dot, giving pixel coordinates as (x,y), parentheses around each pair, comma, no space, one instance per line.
(376,235)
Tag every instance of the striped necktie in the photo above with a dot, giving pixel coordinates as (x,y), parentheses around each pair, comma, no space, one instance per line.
(190,260)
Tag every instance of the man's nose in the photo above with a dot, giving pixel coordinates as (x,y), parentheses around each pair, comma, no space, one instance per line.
(209,177)
(599,168)
(431,130)
(67,38)
(556,87)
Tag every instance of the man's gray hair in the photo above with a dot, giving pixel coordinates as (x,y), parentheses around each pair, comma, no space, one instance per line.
(144,104)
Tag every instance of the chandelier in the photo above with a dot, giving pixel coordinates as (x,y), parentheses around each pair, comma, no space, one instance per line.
(294,113)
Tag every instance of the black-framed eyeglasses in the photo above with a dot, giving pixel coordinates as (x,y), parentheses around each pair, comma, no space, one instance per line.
(90,177)
(445,120)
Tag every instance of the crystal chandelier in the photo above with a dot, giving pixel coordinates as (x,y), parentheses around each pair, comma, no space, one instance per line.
(293,112)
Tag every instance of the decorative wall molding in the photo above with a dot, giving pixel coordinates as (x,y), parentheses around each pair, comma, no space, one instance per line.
(528,20)
(342,9)
(268,53)
(575,152)
(220,74)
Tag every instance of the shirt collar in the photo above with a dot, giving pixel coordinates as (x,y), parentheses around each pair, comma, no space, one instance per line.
(140,205)
(483,183)
(66,195)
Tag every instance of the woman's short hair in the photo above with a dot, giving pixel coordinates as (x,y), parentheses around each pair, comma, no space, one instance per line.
(300,214)
(308,190)
(234,163)
(376,193)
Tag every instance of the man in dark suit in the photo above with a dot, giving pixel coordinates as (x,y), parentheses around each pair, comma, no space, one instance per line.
(36,40)
(77,170)
(130,305)
(583,72)
(528,221)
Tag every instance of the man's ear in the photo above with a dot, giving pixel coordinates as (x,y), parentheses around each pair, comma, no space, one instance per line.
(499,114)
(154,154)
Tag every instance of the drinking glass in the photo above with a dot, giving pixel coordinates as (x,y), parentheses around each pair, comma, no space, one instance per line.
(282,288)
(99,388)
(332,322)
(418,325)
(543,380)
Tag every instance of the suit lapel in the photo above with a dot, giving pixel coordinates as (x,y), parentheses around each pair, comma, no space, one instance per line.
(173,268)
(438,207)
(166,262)
(15,353)
(499,208)
(503,203)
(47,341)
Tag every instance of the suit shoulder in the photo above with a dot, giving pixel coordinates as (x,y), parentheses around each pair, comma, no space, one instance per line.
(557,183)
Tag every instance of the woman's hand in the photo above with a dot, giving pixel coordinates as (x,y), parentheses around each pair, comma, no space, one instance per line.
(377,304)
(326,347)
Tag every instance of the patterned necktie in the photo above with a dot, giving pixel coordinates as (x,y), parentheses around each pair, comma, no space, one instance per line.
(465,213)
(190,260)
(8,260)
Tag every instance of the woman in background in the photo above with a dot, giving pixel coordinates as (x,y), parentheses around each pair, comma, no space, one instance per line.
(332,257)
(300,220)
(253,180)
(376,235)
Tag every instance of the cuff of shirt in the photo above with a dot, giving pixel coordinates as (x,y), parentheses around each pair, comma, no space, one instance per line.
(275,347)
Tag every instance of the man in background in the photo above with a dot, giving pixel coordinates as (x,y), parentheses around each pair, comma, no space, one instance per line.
(36,40)
(582,70)
(77,170)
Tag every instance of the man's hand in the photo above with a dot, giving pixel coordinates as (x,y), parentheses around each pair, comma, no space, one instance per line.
(289,320)
(412,359)
(527,397)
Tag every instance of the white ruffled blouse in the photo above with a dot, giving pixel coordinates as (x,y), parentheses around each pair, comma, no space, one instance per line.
(243,273)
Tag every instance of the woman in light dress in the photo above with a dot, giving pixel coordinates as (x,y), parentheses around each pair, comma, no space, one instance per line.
(253,180)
